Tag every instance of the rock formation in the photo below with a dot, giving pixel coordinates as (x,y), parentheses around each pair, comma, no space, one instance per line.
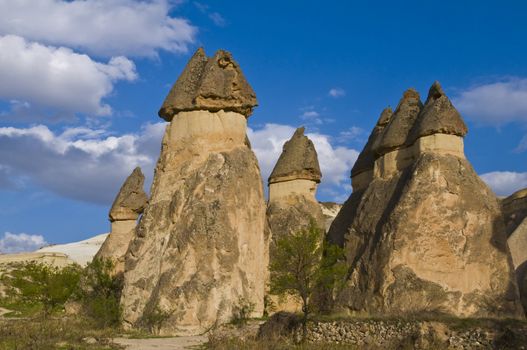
(515,213)
(292,204)
(201,244)
(127,206)
(292,187)
(421,231)
(329,211)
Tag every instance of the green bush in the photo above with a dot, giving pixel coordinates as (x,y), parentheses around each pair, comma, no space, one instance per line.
(100,293)
(40,284)
(154,319)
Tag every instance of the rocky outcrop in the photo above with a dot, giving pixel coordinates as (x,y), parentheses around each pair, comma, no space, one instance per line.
(210,84)
(515,213)
(329,211)
(425,235)
(201,244)
(127,206)
(292,189)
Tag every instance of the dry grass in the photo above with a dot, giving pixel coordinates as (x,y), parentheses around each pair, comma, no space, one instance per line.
(57,334)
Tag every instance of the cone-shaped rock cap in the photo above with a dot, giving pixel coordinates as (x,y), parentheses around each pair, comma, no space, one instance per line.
(366,159)
(131,199)
(298,160)
(396,133)
(438,116)
(212,84)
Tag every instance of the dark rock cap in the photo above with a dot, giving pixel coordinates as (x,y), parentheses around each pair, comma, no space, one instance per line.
(396,133)
(131,199)
(298,160)
(210,83)
(438,116)
(366,159)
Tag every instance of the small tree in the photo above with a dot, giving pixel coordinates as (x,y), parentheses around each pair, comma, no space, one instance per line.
(100,293)
(302,264)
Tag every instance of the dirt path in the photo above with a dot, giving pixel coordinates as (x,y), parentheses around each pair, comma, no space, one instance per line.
(177,343)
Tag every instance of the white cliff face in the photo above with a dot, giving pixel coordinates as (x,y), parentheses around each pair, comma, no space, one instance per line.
(201,244)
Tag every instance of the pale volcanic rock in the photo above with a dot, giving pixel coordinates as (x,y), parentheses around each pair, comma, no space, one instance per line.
(362,171)
(515,214)
(210,83)
(298,160)
(426,235)
(127,206)
(202,242)
(292,197)
(131,198)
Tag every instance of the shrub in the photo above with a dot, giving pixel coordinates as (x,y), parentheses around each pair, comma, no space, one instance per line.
(154,319)
(100,293)
(36,283)
(242,311)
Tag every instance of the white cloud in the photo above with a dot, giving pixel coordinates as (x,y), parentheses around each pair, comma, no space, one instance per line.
(504,183)
(335,162)
(99,27)
(352,134)
(80,163)
(38,76)
(21,242)
(496,103)
(218,19)
(336,92)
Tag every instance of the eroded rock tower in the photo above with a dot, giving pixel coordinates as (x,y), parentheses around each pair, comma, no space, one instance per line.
(422,232)
(201,243)
(126,208)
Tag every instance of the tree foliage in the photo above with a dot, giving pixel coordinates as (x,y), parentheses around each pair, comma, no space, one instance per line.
(303,264)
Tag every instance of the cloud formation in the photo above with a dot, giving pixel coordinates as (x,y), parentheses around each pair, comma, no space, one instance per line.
(90,165)
(495,103)
(99,27)
(21,242)
(336,92)
(79,163)
(35,77)
(505,183)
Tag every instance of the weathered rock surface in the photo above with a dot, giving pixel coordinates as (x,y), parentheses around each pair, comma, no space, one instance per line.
(329,211)
(210,83)
(127,206)
(292,203)
(298,160)
(426,235)
(131,199)
(292,188)
(201,243)
(515,213)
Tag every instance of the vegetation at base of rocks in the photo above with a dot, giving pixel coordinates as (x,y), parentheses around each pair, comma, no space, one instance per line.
(242,311)
(40,290)
(154,319)
(35,287)
(53,334)
(303,266)
(100,292)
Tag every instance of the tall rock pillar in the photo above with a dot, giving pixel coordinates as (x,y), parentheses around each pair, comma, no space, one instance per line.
(127,206)
(200,248)
(423,234)
(292,187)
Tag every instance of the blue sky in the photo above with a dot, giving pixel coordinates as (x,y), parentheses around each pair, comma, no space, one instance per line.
(81,83)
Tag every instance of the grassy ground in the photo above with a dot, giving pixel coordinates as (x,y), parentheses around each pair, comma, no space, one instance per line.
(50,333)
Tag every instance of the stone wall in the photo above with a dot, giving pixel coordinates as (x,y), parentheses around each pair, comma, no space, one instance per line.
(397,334)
